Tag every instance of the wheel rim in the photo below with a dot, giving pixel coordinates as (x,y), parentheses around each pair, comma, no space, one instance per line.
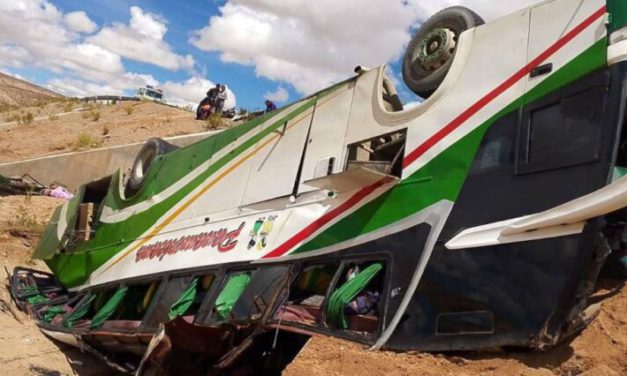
(435,49)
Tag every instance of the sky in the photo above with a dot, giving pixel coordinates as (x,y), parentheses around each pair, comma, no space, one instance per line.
(260,49)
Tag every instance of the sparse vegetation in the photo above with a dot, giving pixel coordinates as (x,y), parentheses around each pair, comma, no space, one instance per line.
(68,106)
(86,141)
(11,117)
(94,114)
(214,121)
(26,118)
(24,223)
(53,117)
(129,109)
(105,130)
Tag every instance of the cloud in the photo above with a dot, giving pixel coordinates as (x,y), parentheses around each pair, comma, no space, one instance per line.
(80,22)
(191,91)
(280,95)
(142,40)
(311,44)
(91,65)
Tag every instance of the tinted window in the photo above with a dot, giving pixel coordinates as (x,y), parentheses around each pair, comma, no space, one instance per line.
(564,133)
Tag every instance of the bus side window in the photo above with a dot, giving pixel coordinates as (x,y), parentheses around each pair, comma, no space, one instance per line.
(353,304)
(307,294)
(564,130)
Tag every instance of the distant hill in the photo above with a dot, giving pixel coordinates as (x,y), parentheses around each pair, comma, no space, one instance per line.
(18,93)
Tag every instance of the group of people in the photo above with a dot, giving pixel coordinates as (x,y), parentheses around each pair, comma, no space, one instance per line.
(212,103)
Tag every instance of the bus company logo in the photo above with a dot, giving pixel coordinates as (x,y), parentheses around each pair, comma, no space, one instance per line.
(222,240)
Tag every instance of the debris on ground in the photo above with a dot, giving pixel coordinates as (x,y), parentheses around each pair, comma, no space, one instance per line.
(598,351)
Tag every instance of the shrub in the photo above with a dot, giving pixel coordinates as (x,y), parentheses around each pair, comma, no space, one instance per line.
(105,130)
(86,141)
(53,117)
(68,106)
(26,118)
(95,115)
(129,109)
(25,223)
(214,121)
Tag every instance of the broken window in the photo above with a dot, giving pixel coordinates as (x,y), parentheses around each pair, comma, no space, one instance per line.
(120,309)
(191,299)
(89,209)
(307,295)
(354,303)
(259,294)
(383,153)
(233,287)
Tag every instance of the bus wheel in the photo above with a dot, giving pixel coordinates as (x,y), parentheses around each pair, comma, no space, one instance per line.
(152,149)
(429,54)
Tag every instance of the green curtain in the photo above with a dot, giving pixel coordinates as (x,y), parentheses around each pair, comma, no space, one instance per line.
(79,312)
(230,293)
(53,311)
(347,292)
(36,299)
(108,309)
(183,303)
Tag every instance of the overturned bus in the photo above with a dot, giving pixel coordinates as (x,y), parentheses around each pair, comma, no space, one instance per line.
(478,219)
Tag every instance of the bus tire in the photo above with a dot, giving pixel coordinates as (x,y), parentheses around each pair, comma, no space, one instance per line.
(430,53)
(151,150)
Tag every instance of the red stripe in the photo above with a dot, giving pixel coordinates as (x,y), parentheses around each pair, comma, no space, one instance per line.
(420,150)
(472,110)
(326,218)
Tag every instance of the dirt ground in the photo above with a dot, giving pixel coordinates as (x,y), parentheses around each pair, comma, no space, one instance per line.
(600,350)
(61,127)
(25,350)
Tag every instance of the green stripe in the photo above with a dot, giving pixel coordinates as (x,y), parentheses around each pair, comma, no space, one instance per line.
(73,268)
(443,177)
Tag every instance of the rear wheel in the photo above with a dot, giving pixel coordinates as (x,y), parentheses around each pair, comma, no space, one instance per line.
(430,53)
(152,149)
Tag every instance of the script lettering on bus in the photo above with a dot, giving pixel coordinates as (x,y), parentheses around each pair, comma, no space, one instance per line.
(222,240)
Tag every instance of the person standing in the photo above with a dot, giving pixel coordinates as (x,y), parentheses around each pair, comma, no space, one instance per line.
(220,99)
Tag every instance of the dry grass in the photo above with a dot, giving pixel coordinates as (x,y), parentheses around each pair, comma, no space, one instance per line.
(214,121)
(24,223)
(86,141)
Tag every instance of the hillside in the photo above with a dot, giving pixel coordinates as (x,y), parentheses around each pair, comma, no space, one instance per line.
(15,93)
(70,126)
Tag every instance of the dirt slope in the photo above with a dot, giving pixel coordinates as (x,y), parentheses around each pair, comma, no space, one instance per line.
(25,350)
(18,93)
(64,127)
(601,350)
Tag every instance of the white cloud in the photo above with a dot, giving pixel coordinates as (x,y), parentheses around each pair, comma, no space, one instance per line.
(280,95)
(142,40)
(80,22)
(191,91)
(311,44)
(86,66)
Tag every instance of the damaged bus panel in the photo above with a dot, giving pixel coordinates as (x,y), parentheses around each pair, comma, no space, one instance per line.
(477,219)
